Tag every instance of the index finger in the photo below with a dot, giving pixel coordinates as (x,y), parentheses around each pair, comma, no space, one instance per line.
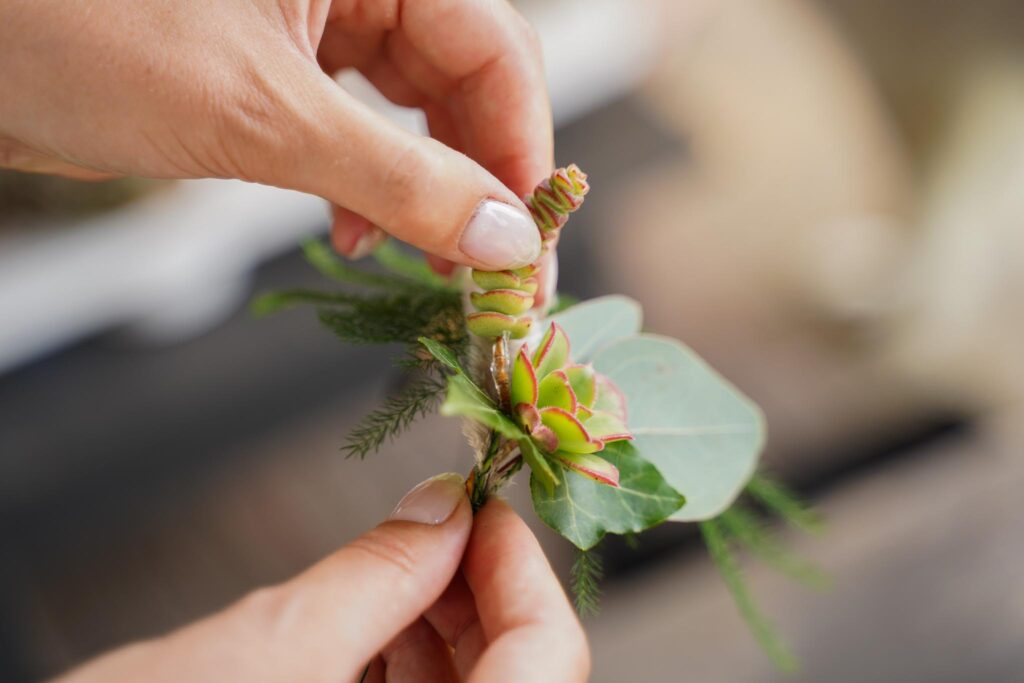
(500,103)
(531,629)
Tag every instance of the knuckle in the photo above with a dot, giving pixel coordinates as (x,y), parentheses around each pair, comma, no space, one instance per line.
(404,179)
(256,124)
(530,37)
(390,551)
(270,609)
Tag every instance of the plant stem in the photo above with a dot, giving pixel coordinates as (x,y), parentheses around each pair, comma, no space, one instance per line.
(479,480)
(499,370)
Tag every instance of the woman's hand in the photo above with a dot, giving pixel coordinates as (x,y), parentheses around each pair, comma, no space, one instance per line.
(238,89)
(395,598)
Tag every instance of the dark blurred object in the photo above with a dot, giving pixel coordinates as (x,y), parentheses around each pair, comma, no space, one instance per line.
(32,193)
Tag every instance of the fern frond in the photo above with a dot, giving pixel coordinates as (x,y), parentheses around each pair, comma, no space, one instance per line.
(784,503)
(419,398)
(718,548)
(745,527)
(585,582)
(399,318)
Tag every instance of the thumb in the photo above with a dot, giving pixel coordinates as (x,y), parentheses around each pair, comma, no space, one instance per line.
(413,187)
(327,622)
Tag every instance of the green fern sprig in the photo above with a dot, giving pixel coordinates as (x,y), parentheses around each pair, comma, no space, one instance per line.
(400,318)
(718,547)
(783,502)
(420,397)
(585,582)
(752,533)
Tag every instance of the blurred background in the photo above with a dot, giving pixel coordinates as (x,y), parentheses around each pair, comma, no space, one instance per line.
(825,198)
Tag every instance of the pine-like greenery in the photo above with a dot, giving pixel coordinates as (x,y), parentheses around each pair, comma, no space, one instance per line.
(783,502)
(585,582)
(748,531)
(739,528)
(718,547)
(400,306)
(419,398)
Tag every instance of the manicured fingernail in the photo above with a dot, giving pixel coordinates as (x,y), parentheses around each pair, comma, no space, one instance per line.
(501,236)
(367,243)
(433,501)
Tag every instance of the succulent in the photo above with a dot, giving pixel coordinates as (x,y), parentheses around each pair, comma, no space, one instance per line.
(570,411)
(507,295)
(500,307)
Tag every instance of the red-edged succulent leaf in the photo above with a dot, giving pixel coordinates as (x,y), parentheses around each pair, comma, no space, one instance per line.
(501,279)
(491,324)
(606,427)
(584,383)
(542,435)
(583,413)
(545,438)
(609,398)
(555,390)
(593,466)
(524,379)
(508,301)
(553,352)
(528,416)
(527,271)
(529,285)
(572,435)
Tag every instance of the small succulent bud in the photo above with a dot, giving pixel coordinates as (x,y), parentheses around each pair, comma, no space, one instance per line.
(557,197)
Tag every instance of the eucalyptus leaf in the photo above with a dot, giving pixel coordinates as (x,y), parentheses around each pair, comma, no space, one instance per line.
(597,323)
(701,433)
(583,510)
(466,399)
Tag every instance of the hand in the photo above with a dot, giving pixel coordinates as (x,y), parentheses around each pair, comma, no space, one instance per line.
(188,89)
(395,598)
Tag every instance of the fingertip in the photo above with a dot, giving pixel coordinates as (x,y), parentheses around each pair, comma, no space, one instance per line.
(500,236)
(441,266)
(354,236)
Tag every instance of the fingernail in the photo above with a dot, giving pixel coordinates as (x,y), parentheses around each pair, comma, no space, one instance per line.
(500,236)
(432,502)
(367,243)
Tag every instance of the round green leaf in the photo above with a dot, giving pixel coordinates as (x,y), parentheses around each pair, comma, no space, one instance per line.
(701,433)
(596,323)
(583,510)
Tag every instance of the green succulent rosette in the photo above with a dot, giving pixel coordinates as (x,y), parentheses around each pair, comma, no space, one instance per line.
(568,410)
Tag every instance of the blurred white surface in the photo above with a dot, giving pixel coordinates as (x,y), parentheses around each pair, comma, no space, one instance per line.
(180,253)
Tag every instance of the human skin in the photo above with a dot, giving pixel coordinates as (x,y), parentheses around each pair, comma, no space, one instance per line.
(432,595)
(240,89)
